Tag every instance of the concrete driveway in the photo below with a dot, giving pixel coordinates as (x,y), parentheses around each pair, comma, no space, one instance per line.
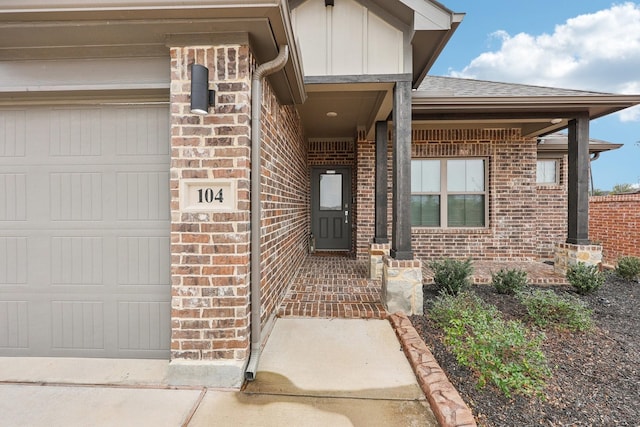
(313,372)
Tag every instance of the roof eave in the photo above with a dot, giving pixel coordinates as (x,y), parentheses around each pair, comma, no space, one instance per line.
(593,148)
(89,14)
(599,105)
(423,59)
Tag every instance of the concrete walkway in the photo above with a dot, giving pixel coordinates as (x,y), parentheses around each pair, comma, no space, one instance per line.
(313,372)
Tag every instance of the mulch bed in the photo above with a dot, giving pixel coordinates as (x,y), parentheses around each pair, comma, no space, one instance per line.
(596,374)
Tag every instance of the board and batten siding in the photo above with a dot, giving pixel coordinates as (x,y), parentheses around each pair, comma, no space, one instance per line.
(347,39)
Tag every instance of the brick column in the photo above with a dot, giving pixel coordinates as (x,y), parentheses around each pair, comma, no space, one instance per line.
(210,250)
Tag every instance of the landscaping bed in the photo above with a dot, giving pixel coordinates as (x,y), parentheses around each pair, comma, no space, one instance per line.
(595,374)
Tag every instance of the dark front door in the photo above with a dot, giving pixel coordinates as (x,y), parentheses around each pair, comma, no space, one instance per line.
(331,208)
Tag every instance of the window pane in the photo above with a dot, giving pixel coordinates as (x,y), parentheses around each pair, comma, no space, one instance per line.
(546,172)
(330,192)
(465,175)
(425,176)
(425,211)
(465,210)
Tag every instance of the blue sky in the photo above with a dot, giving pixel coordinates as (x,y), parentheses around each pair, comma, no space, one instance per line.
(575,44)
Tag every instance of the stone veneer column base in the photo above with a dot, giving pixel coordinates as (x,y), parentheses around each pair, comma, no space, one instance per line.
(208,373)
(377,252)
(568,254)
(402,286)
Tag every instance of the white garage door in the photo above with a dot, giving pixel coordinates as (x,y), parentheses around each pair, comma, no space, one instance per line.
(84,231)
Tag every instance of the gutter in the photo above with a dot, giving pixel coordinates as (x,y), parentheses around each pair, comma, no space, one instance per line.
(256,210)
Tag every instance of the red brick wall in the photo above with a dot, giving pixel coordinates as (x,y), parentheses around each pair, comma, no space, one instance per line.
(551,217)
(365,197)
(511,232)
(285,199)
(614,222)
(210,250)
(329,152)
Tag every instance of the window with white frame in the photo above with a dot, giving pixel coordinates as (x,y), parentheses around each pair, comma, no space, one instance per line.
(547,172)
(448,193)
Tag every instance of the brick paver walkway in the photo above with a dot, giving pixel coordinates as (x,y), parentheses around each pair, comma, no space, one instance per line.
(334,286)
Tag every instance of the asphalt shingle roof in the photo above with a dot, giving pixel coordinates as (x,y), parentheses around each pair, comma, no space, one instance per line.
(457,87)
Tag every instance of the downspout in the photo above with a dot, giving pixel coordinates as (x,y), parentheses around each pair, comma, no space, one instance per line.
(593,158)
(256,210)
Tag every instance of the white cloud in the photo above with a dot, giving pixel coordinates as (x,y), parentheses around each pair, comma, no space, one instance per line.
(596,52)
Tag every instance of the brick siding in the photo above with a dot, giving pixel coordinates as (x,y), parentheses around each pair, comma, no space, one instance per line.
(365,197)
(614,222)
(285,199)
(551,216)
(210,251)
(513,223)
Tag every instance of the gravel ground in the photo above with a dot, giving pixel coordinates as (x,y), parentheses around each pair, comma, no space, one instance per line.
(596,375)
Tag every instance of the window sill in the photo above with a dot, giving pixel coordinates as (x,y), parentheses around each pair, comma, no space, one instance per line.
(462,230)
(549,187)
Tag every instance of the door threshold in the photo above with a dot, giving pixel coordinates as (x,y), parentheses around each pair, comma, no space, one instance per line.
(332,252)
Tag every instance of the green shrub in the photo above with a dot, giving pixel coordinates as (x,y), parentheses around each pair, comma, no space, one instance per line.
(451,276)
(507,281)
(629,268)
(585,278)
(546,308)
(504,353)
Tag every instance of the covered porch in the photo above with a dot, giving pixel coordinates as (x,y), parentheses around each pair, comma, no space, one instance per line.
(337,286)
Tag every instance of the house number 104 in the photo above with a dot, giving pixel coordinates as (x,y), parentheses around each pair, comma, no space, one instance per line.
(208,195)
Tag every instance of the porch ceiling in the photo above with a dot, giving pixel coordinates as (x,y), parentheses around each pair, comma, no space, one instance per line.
(360,105)
(356,105)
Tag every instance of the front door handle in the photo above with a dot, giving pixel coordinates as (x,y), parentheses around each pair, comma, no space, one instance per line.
(346,217)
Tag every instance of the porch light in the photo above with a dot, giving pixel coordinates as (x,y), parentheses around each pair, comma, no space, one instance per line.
(328,3)
(201,96)
(555,121)
(332,114)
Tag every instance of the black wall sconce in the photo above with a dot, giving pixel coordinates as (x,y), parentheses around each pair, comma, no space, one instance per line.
(328,3)
(201,96)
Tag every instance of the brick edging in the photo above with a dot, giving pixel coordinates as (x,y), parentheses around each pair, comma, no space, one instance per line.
(446,404)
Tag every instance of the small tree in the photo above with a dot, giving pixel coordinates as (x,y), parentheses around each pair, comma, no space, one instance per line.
(622,189)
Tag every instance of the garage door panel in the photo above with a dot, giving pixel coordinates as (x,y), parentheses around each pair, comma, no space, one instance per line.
(142,132)
(139,195)
(13,261)
(139,260)
(84,231)
(76,196)
(13,203)
(77,260)
(143,325)
(75,132)
(13,133)
(14,325)
(77,325)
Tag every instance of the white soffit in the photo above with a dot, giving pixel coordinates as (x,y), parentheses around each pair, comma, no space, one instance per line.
(429,16)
